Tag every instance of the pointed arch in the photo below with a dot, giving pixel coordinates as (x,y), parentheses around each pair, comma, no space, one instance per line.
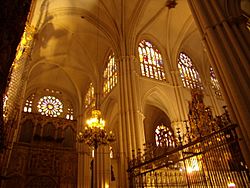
(110,74)
(151,61)
(189,74)
(162,100)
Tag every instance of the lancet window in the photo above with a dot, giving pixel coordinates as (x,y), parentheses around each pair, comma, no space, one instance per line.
(110,75)
(90,97)
(151,61)
(189,75)
(28,104)
(69,114)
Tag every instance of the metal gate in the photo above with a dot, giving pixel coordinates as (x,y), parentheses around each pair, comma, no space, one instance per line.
(206,153)
(211,161)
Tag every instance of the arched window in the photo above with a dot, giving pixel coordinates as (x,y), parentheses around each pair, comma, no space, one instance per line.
(50,106)
(164,137)
(215,82)
(110,75)
(189,75)
(28,104)
(90,97)
(151,61)
(69,114)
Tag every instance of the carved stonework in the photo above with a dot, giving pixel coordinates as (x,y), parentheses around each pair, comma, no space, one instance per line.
(48,159)
(18,162)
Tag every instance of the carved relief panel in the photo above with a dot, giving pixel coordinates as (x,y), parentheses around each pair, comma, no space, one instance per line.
(48,158)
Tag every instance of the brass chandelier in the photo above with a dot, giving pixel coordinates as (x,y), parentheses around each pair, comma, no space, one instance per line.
(94,133)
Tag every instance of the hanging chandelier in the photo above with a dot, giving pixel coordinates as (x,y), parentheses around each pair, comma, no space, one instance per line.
(94,133)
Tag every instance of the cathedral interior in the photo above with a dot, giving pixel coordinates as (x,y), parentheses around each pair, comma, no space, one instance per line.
(125,93)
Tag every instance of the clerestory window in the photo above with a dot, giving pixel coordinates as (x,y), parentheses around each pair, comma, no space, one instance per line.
(110,75)
(189,75)
(90,97)
(151,62)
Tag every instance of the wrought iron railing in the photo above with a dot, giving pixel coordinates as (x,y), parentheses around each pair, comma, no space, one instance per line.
(211,161)
(206,153)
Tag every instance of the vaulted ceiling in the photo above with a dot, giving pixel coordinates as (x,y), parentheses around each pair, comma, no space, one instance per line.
(74,38)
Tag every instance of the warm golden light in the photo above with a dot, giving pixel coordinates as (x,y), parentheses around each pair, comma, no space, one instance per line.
(5,99)
(94,133)
(193,166)
(231,184)
(25,41)
(96,120)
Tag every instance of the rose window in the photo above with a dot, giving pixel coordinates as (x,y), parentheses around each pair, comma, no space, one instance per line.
(50,106)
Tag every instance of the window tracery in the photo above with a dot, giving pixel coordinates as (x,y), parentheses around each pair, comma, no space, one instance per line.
(50,106)
(151,62)
(189,75)
(110,75)
(29,103)
(90,97)
(164,136)
(70,114)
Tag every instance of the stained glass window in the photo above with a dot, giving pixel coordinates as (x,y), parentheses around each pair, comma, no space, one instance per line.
(90,97)
(189,75)
(50,106)
(53,91)
(151,61)
(70,114)
(164,137)
(28,104)
(110,75)
(215,82)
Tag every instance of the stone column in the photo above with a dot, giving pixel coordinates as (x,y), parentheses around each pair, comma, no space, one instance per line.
(104,168)
(137,106)
(227,41)
(131,132)
(178,91)
(122,155)
(129,106)
(84,159)
(84,166)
